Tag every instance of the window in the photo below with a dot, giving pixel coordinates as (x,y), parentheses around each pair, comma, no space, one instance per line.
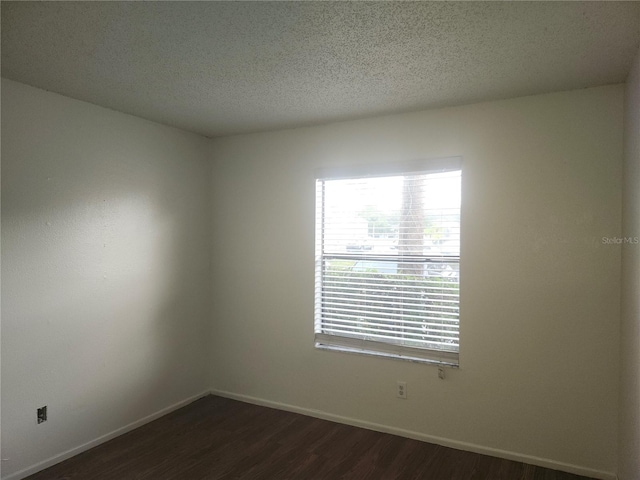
(388,261)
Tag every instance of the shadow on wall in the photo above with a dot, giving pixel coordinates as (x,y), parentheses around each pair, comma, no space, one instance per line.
(105,300)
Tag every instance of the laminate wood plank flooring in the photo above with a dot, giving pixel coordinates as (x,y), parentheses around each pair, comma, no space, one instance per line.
(217,438)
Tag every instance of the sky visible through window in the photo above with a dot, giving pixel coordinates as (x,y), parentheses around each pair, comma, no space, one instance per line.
(442,192)
(368,210)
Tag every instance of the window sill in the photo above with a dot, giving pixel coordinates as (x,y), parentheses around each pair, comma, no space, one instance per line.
(373,353)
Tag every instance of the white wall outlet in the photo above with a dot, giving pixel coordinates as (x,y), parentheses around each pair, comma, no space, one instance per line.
(441,373)
(402,390)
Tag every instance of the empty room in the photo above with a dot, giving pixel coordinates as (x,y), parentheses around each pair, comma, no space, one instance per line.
(320,240)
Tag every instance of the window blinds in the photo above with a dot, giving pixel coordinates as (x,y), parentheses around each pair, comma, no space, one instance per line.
(387,262)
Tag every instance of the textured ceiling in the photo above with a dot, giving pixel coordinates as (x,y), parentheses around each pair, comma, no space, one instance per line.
(220,68)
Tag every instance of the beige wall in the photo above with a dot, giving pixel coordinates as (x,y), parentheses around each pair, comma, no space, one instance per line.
(539,294)
(629,439)
(105,271)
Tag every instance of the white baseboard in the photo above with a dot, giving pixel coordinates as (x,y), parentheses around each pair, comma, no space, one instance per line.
(469,447)
(104,438)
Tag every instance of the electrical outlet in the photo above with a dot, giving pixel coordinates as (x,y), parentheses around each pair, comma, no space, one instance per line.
(441,373)
(402,390)
(42,414)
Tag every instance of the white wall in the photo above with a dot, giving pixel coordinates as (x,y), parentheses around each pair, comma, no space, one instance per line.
(629,438)
(106,275)
(105,271)
(539,294)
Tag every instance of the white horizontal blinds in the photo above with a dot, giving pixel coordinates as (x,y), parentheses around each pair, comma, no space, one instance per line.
(387,264)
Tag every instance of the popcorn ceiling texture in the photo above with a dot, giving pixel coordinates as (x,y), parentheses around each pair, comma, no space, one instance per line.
(219,68)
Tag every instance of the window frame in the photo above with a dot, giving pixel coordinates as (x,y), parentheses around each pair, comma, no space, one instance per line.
(347,344)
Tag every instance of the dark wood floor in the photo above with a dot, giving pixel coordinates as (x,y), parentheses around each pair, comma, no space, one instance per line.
(217,438)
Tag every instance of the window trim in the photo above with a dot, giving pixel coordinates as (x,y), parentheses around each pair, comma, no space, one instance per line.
(346,344)
(432,165)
